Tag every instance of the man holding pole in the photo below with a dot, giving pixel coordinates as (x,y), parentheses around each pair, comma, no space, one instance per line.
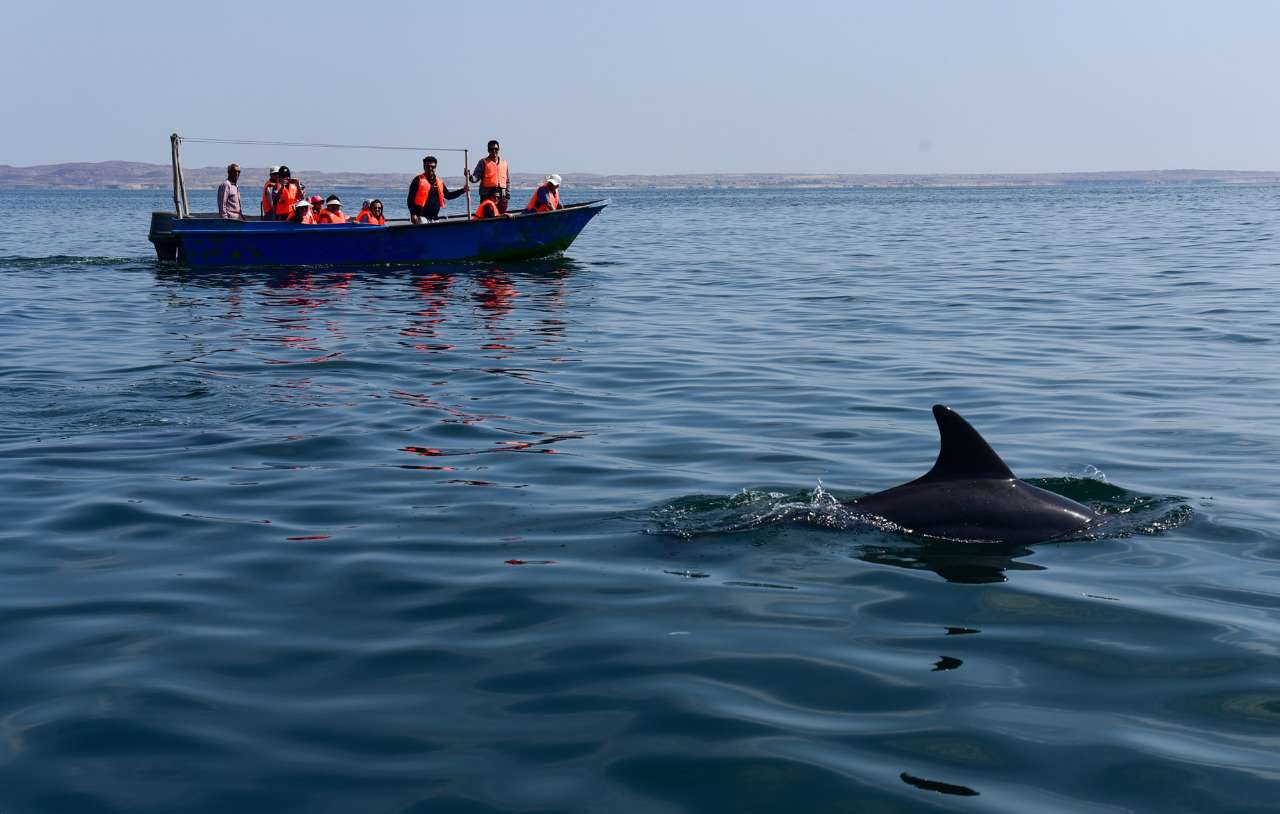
(427,192)
(492,175)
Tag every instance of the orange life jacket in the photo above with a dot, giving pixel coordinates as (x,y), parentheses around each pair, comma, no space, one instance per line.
(325,216)
(424,187)
(267,189)
(487,209)
(495,173)
(366,216)
(307,218)
(363,217)
(287,197)
(552,196)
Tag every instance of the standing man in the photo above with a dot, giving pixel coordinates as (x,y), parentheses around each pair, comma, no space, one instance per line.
(427,192)
(492,176)
(229,195)
(290,193)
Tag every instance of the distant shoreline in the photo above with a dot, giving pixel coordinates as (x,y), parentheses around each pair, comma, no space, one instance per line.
(142,176)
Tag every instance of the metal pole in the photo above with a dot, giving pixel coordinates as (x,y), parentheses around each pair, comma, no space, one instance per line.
(182,179)
(177,174)
(466,179)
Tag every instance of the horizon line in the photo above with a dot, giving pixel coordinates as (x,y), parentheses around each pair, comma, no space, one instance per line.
(737,173)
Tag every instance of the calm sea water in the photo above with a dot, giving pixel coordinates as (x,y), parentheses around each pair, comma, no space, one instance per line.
(560,536)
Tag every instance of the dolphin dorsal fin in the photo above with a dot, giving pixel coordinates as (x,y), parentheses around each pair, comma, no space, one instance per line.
(963,453)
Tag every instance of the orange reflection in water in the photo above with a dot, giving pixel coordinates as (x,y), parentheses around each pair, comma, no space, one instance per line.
(433,290)
(300,328)
(496,294)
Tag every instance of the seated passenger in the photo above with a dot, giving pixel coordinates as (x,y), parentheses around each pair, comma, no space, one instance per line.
(302,213)
(488,207)
(332,212)
(373,214)
(546,198)
(363,215)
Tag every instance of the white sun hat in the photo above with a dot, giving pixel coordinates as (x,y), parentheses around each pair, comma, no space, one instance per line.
(553,179)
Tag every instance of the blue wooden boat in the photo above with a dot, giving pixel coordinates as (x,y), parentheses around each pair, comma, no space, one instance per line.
(203,240)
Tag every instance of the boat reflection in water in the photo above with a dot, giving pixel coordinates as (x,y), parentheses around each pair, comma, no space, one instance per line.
(295,316)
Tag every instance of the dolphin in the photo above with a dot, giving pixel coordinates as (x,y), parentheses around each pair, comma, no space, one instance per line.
(972,496)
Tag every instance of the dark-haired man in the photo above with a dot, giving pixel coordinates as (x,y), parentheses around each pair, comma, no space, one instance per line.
(427,192)
(493,176)
(229,195)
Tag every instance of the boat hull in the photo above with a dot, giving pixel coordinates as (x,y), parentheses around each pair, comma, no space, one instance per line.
(215,242)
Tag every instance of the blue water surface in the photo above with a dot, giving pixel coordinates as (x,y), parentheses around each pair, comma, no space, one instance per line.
(564,536)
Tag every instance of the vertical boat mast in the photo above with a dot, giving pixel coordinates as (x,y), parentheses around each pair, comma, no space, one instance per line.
(466,179)
(180,205)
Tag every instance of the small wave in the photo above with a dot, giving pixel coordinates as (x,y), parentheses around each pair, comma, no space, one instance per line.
(54,261)
(1124,513)
(698,515)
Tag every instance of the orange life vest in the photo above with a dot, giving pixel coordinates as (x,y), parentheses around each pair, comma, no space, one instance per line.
(325,216)
(495,173)
(363,217)
(552,196)
(267,189)
(286,198)
(307,218)
(487,209)
(366,216)
(424,187)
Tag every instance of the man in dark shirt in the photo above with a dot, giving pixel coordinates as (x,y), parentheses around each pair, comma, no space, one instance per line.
(425,192)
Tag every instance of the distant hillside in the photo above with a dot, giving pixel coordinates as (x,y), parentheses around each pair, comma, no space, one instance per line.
(132,175)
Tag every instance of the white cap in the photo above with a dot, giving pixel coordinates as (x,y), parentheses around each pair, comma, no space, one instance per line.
(301,204)
(553,179)
(333,199)
(275,169)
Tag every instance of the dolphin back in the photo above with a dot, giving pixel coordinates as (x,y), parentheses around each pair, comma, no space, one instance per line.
(971,494)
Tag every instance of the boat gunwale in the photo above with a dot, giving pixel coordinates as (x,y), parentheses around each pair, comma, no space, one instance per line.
(188,225)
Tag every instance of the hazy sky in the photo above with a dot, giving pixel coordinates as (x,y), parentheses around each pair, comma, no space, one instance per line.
(917,86)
